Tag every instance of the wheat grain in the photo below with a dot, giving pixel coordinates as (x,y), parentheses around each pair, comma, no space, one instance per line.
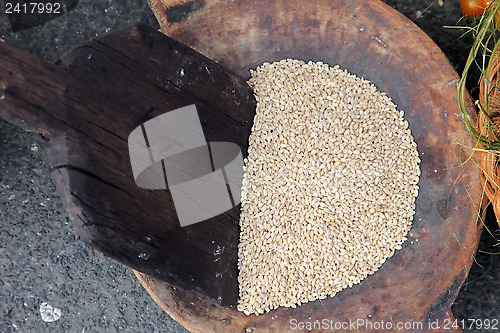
(329,187)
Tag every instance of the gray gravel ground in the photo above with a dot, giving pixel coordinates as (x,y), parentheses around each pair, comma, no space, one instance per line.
(41,259)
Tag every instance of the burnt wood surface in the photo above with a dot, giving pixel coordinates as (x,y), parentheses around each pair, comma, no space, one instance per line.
(88,105)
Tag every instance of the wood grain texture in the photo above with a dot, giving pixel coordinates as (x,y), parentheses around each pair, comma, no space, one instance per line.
(374,41)
(88,105)
(32,92)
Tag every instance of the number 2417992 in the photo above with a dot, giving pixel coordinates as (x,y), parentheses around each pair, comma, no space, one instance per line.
(33,8)
(470,324)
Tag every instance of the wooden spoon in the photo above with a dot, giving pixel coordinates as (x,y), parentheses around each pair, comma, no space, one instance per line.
(88,105)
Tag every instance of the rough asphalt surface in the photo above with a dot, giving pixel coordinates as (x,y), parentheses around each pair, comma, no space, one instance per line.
(42,260)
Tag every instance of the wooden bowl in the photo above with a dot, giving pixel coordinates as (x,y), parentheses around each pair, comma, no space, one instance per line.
(376,42)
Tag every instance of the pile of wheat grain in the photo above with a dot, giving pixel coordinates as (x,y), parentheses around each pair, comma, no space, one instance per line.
(329,187)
